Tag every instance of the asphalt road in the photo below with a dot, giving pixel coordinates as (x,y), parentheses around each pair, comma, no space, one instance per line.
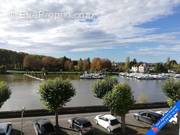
(134,127)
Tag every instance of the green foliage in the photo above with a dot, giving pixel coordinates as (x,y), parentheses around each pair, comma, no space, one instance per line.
(172,90)
(170,64)
(133,63)
(11,59)
(160,68)
(176,68)
(56,93)
(101,87)
(3,69)
(120,99)
(122,67)
(127,64)
(4,92)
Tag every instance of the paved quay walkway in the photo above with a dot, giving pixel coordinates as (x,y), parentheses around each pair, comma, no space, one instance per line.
(134,127)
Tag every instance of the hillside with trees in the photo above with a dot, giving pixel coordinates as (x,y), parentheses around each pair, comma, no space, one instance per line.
(11,60)
(20,61)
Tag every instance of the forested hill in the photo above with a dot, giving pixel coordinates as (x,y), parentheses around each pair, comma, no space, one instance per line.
(23,61)
(11,59)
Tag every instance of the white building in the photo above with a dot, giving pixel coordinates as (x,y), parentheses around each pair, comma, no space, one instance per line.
(141,68)
(134,69)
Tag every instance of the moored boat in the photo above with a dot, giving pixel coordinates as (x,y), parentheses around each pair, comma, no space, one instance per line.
(92,76)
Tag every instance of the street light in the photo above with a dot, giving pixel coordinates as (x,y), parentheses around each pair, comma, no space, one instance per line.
(22,115)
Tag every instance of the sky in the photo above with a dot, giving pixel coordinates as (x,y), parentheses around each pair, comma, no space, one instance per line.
(148,30)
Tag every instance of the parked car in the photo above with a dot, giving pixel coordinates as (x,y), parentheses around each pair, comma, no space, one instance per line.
(108,122)
(5,128)
(148,117)
(43,127)
(173,120)
(82,125)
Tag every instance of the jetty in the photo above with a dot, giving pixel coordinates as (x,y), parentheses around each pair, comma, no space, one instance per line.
(30,76)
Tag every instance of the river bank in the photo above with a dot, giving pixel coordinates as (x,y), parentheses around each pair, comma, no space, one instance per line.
(60,72)
(40,72)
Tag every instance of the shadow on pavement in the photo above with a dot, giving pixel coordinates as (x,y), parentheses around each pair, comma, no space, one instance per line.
(138,126)
(99,132)
(129,131)
(16,132)
(60,131)
(70,129)
(169,130)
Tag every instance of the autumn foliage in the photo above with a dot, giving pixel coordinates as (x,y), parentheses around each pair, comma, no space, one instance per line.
(22,61)
(99,64)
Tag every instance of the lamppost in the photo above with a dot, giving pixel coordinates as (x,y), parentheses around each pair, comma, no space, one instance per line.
(22,115)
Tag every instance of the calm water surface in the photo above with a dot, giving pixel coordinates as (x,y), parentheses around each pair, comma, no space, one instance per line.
(25,91)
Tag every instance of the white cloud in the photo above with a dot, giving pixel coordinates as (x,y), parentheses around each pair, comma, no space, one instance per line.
(116,24)
(168,49)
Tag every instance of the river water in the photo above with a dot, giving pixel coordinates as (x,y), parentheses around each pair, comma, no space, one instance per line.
(25,92)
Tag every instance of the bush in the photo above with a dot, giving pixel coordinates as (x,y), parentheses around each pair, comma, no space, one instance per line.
(3,69)
(4,93)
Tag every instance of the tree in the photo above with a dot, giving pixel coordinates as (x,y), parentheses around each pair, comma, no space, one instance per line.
(172,90)
(96,64)
(101,87)
(32,62)
(106,64)
(127,64)
(133,62)
(168,59)
(86,64)
(80,65)
(50,63)
(122,67)
(176,68)
(55,94)
(170,64)
(68,65)
(99,64)
(5,93)
(160,68)
(3,69)
(120,101)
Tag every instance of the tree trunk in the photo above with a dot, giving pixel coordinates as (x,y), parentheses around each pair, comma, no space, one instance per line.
(123,126)
(56,117)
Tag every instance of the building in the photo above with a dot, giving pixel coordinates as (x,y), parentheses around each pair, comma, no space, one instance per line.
(142,68)
(134,69)
(139,69)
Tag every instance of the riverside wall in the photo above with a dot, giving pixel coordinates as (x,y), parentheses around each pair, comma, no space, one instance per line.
(75,110)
